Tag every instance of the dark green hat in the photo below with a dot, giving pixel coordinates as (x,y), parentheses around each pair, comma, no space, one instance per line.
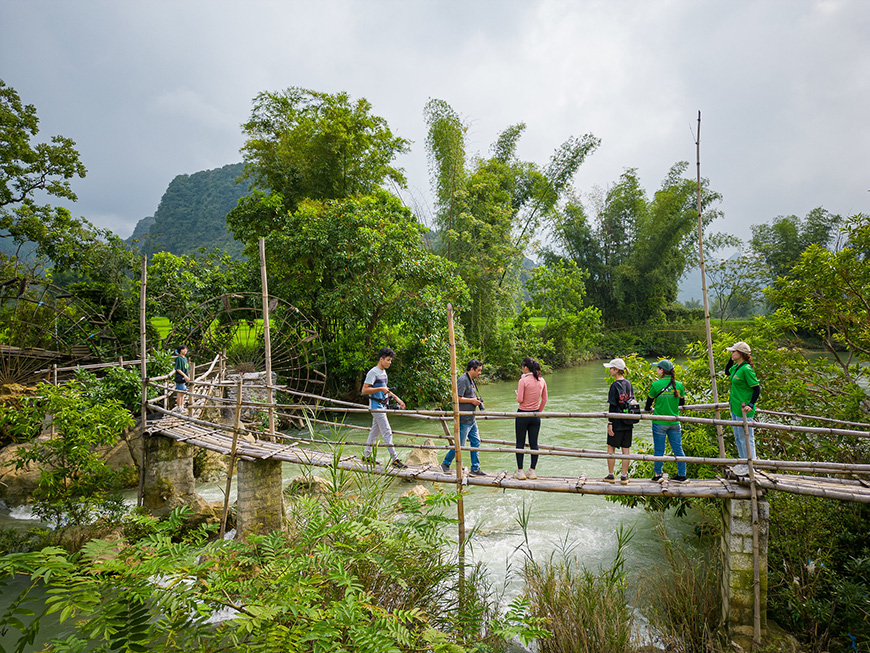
(666,365)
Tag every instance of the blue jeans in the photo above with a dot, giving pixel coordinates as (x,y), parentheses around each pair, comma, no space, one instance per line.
(739,438)
(674,433)
(469,430)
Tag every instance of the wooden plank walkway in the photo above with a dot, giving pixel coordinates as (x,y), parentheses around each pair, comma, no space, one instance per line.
(181,429)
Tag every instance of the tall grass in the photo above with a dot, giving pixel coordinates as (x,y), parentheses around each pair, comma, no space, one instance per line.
(586,610)
(681,596)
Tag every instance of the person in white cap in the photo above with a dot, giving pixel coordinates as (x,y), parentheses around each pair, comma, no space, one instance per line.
(745,389)
(619,431)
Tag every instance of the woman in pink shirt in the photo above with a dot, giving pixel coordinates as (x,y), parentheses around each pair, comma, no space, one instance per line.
(532,397)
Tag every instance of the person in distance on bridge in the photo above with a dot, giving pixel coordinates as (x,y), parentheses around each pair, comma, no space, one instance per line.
(469,400)
(378,391)
(620,399)
(668,395)
(182,376)
(745,389)
(532,397)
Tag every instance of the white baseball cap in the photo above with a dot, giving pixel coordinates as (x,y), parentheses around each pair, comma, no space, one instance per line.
(741,346)
(618,363)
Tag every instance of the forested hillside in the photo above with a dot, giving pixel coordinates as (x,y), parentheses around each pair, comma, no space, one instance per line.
(192,213)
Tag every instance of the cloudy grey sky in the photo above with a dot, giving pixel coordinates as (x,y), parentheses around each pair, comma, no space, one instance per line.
(152,89)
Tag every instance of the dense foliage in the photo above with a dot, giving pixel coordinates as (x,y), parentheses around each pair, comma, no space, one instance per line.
(355,573)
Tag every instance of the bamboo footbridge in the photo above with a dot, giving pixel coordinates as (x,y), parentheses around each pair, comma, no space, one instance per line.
(247,440)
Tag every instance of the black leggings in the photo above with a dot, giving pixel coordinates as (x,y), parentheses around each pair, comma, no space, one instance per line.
(532,426)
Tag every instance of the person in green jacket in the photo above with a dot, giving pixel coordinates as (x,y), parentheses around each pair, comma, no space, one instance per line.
(745,389)
(182,376)
(668,395)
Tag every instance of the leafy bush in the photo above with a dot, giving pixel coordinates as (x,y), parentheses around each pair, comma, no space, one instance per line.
(75,484)
(819,566)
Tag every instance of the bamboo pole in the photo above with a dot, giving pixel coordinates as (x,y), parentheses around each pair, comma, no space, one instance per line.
(237,423)
(267,339)
(140,496)
(460,508)
(756,564)
(719,434)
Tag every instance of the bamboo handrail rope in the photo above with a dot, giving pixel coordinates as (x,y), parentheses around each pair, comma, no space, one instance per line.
(812,466)
(493,415)
(813,417)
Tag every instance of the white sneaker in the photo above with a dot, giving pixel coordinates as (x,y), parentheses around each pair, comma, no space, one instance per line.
(520,475)
(531,474)
(741,470)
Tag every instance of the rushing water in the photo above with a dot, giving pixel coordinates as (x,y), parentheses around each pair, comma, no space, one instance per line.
(586,523)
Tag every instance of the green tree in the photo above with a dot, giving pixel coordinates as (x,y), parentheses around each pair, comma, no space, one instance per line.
(781,242)
(489,210)
(828,294)
(177,285)
(635,248)
(75,483)
(736,285)
(307,144)
(360,268)
(29,169)
(557,293)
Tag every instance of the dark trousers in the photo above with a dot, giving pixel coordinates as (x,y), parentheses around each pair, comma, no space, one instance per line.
(527,425)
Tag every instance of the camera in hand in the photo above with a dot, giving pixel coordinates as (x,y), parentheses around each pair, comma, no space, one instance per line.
(480,405)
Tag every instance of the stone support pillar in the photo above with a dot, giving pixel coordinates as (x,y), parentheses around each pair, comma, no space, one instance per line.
(738,594)
(260,504)
(168,479)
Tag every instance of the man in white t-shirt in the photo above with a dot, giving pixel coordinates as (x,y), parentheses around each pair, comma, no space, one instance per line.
(376,388)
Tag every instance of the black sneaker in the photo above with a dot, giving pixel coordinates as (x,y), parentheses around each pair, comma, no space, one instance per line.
(657,478)
(623,479)
(445,468)
(398,464)
(477,472)
(369,460)
(609,478)
(681,479)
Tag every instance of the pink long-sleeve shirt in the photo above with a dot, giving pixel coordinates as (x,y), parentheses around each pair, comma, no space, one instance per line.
(532,393)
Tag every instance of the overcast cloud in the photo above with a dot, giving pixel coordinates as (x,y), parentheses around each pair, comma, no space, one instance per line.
(149,89)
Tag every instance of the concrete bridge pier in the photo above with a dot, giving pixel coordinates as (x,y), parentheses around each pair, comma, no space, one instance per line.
(168,479)
(260,503)
(738,594)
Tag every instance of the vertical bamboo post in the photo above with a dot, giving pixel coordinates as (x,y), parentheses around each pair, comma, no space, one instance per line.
(712,364)
(237,423)
(460,508)
(190,389)
(266,335)
(52,430)
(144,374)
(756,563)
